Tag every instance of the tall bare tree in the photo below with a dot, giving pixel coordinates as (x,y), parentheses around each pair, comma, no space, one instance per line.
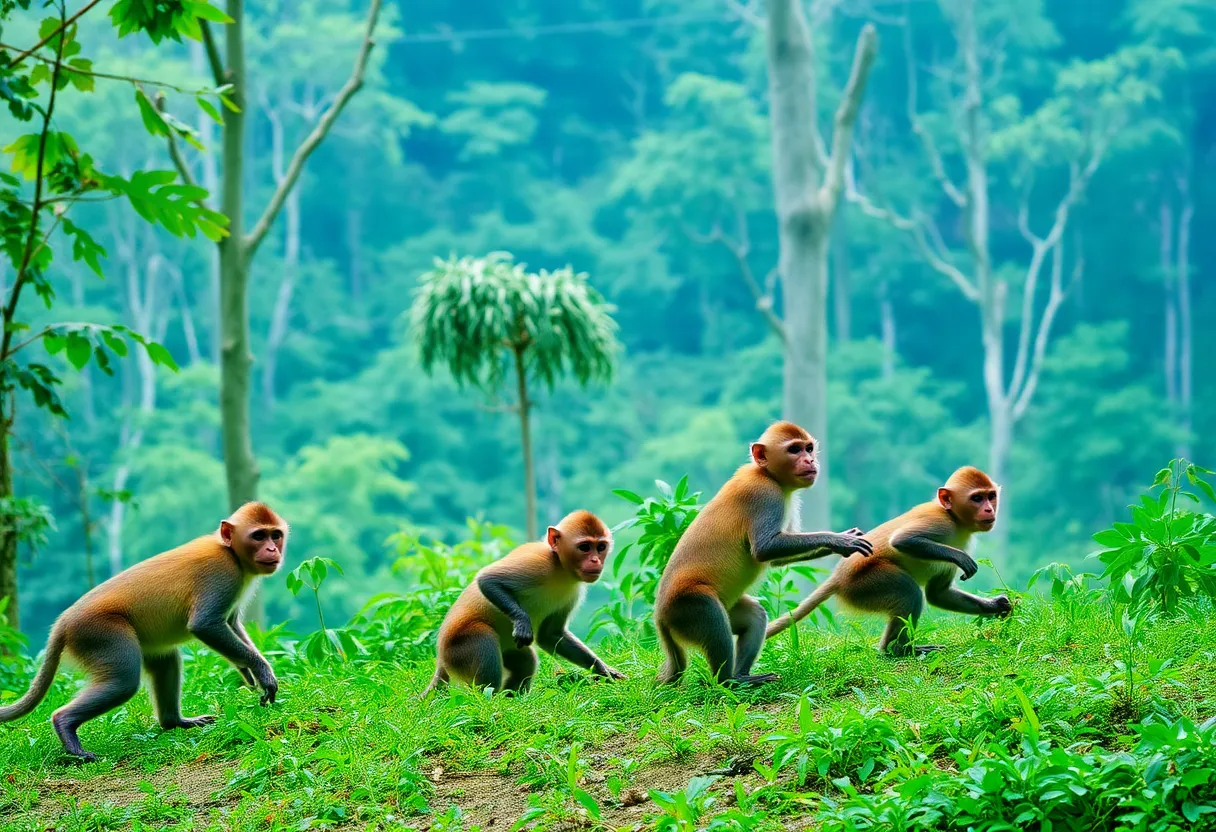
(237,250)
(1072,133)
(808,181)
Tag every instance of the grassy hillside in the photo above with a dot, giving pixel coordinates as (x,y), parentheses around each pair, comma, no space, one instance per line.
(1057,714)
(1090,708)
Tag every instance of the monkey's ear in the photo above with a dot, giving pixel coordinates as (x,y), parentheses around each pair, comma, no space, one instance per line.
(226,530)
(759,454)
(943,497)
(552,537)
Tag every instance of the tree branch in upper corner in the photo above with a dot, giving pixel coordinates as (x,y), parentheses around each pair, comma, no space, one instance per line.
(254,238)
(846,114)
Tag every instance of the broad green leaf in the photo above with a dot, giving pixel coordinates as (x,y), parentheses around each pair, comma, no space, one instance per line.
(78,350)
(154,123)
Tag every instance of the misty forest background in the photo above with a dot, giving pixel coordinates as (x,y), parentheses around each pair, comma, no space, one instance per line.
(638,151)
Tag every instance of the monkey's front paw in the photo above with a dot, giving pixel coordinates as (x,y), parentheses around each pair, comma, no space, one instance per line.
(522,634)
(611,672)
(1002,606)
(968,566)
(846,544)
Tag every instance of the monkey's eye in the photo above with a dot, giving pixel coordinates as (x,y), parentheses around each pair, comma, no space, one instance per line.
(795,450)
(602,546)
(977,498)
(585,546)
(276,535)
(259,535)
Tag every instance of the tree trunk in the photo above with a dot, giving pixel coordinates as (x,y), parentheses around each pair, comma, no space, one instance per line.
(805,378)
(525,435)
(354,249)
(1166,240)
(86,519)
(842,287)
(8,535)
(807,186)
(886,313)
(802,238)
(211,181)
(281,315)
(235,358)
(1183,284)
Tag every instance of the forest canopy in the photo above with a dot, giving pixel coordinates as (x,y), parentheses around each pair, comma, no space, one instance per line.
(1053,337)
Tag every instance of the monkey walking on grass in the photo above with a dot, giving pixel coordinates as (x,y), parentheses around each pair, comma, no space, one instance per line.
(743,529)
(139,617)
(916,557)
(529,595)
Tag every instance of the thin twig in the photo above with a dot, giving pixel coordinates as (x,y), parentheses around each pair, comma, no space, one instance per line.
(213,55)
(24,272)
(846,116)
(65,24)
(175,152)
(130,79)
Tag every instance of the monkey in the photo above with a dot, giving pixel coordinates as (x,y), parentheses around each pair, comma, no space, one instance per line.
(744,528)
(140,615)
(916,557)
(529,595)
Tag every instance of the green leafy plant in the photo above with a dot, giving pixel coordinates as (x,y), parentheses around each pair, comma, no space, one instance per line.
(401,625)
(855,745)
(661,522)
(326,642)
(1067,587)
(1167,552)
(1179,760)
(682,810)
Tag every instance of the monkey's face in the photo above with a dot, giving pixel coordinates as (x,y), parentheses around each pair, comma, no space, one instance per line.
(260,548)
(793,463)
(976,510)
(584,555)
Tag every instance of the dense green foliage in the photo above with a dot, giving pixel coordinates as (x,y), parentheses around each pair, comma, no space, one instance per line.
(639,154)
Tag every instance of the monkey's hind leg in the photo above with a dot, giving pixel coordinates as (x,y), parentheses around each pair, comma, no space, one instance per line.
(677,659)
(110,654)
(165,672)
(520,667)
(748,621)
(440,679)
(699,618)
(475,657)
(904,603)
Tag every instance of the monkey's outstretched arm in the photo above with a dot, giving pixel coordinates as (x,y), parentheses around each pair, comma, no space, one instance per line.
(209,624)
(554,638)
(769,543)
(500,590)
(920,543)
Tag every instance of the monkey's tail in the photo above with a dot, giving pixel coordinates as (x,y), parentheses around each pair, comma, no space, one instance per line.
(42,679)
(822,593)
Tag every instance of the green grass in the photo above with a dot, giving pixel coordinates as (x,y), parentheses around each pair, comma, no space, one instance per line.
(847,739)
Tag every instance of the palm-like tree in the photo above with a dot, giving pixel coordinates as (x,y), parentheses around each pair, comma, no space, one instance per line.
(477,315)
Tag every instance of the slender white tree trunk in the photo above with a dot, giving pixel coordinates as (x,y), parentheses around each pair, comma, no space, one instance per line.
(807,183)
